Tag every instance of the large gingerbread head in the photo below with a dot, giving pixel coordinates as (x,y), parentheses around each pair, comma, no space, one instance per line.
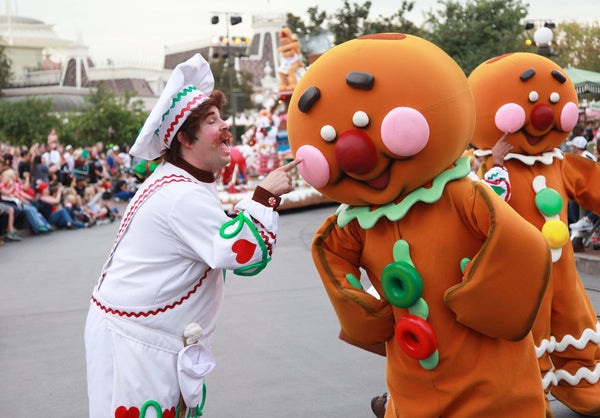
(526,94)
(376,117)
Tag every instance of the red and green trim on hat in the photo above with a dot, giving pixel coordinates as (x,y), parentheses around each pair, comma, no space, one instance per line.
(182,105)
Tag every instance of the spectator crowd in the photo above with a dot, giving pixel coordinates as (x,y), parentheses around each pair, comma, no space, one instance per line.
(50,186)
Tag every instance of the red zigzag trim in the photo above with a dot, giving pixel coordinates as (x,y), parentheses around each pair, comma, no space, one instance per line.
(179,116)
(156,311)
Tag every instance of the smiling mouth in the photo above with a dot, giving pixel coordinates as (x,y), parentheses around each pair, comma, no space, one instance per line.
(532,140)
(380,182)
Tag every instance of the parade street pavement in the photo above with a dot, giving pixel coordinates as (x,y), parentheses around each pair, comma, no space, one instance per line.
(276,343)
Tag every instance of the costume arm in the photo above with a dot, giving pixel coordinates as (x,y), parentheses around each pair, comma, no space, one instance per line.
(504,283)
(243,244)
(336,253)
(581,177)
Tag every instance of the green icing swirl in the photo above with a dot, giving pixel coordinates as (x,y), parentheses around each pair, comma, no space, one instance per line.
(396,211)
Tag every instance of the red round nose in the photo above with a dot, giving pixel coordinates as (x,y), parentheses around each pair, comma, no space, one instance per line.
(542,117)
(355,153)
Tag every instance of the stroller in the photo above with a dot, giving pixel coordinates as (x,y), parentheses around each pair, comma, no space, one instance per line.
(592,236)
(583,238)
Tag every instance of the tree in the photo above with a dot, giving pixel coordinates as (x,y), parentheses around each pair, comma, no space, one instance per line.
(579,45)
(395,23)
(25,122)
(314,27)
(313,36)
(5,65)
(241,84)
(107,119)
(478,30)
(349,22)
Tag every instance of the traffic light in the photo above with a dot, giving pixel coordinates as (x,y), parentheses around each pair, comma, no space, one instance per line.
(235,20)
(214,20)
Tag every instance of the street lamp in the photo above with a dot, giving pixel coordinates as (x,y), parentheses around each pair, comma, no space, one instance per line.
(542,37)
(230,20)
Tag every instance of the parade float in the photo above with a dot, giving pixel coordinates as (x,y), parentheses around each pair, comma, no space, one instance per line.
(265,144)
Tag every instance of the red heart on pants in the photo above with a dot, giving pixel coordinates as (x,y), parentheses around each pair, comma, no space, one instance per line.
(244,250)
(123,412)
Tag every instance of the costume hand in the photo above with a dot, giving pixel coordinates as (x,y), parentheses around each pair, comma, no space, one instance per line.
(278,181)
(499,151)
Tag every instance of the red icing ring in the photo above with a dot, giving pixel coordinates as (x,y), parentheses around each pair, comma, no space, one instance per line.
(415,337)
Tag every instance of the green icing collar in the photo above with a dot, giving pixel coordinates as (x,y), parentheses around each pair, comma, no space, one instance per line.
(396,211)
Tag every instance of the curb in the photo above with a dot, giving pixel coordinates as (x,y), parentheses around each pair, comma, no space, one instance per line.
(588,263)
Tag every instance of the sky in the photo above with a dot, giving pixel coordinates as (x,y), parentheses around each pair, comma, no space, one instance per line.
(137,31)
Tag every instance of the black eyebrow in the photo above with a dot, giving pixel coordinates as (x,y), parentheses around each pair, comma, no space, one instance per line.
(527,74)
(559,76)
(360,80)
(310,96)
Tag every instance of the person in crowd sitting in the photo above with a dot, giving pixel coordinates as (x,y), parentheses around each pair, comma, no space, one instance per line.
(95,169)
(101,211)
(18,194)
(69,158)
(52,207)
(52,158)
(40,170)
(24,164)
(120,190)
(7,225)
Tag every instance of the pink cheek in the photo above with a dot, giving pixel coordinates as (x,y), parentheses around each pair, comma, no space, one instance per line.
(510,117)
(314,168)
(404,131)
(569,117)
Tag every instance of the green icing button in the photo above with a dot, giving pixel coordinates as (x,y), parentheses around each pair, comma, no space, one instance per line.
(548,201)
(463,263)
(419,309)
(430,362)
(354,281)
(401,284)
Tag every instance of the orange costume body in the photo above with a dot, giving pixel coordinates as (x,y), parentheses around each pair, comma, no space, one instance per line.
(380,123)
(532,97)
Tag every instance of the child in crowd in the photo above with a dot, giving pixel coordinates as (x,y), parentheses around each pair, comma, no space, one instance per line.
(101,211)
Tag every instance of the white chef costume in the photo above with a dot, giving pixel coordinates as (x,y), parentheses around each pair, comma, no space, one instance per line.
(165,272)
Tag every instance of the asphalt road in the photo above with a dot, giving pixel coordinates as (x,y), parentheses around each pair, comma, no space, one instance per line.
(276,344)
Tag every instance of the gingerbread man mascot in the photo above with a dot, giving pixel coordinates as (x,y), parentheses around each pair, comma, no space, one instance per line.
(532,98)
(381,123)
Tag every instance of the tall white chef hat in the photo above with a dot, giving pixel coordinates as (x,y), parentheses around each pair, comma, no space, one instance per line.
(189,85)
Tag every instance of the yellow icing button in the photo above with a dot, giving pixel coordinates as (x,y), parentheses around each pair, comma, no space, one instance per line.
(556,233)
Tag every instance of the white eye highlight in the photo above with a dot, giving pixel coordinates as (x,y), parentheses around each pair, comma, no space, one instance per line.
(360,119)
(554,97)
(328,133)
(533,96)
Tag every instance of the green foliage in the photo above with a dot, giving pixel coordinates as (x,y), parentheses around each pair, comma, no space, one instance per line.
(394,23)
(26,122)
(315,25)
(580,43)
(108,119)
(5,65)
(230,81)
(348,22)
(351,21)
(477,30)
